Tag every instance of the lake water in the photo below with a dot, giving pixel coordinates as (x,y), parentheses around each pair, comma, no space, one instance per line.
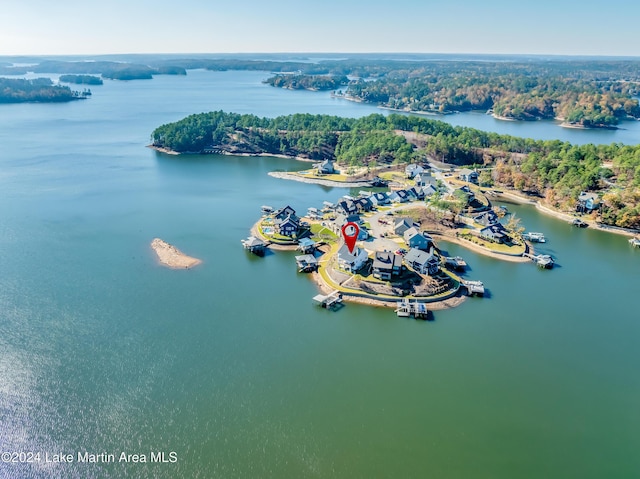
(230,364)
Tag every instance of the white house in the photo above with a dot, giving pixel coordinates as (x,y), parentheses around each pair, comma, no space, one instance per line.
(352,262)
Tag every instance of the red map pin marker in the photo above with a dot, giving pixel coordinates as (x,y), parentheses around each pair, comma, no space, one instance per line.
(350,232)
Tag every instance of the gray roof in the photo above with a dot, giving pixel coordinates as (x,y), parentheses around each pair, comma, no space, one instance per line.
(344,254)
(584,196)
(307,258)
(417,256)
(386,260)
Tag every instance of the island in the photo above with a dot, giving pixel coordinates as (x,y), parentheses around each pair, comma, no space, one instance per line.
(41,90)
(170,256)
(81,79)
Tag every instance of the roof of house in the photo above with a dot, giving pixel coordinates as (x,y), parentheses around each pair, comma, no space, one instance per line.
(386,260)
(411,232)
(345,255)
(416,255)
(585,196)
(495,231)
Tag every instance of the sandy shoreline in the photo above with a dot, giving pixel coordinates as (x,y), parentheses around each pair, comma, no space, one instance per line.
(317,181)
(172,257)
(169,151)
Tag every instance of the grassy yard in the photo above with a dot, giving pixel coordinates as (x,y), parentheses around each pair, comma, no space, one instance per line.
(513,250)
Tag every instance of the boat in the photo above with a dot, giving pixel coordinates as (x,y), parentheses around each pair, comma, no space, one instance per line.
(534,237)
(474,287)
(635,242)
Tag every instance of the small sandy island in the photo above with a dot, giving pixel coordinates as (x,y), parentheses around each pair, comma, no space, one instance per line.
(172,257)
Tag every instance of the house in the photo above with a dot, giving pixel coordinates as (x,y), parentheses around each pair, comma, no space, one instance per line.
(288,226)
(401,225)
(468,175)
(424,179)
(282,213)
(326,167)
(363,204)
(416,192)
(429,190)
(587,202)
(386,264)
(496,233)
(348,207)
(422,262)
(412,170)
(466,192)
(342,219)
(399,196)
(379,199)
(414,239)
(351,262)
(486,218)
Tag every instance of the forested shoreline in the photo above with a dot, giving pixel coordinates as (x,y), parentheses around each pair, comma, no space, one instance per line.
(552,170)
(37,90)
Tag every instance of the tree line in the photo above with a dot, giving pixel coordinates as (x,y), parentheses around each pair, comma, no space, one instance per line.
(551,169)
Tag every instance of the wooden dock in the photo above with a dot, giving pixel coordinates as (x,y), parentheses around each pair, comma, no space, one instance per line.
(534,237)
(255,245)
(542,260)
(307,263)
(406,308)
(474,287)
(455,262)
(329,301)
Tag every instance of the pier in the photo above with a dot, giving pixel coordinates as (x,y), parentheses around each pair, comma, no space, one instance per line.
(406,308)
(474,287)
(578,223)
(542,260)
(534,237)
(455,262)
(255,245)
(306,263)
(329,301)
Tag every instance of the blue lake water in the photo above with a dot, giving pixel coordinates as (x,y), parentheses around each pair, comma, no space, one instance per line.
(230,364)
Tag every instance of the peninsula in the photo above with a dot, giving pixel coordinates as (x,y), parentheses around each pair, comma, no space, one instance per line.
(600,183)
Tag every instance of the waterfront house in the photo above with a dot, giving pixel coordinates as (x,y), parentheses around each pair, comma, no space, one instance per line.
(347,207)
(342,219)
(401,225)
(386,265)
(380,199)
(351,262)
(587,202)
(496,233)
(399,196)
(414,239)
(412,170)
(363,204)
(468,175)
(486,218)
(326,167)
(288,226)
(282,213)
(422,262)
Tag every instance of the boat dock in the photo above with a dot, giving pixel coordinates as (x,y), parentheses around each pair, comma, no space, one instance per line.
(635,242)
(255,245)
(455,262)
(329,301)
(578,223)
(542,260)
(474,287)
(534,237)
(406,308)
(306,263)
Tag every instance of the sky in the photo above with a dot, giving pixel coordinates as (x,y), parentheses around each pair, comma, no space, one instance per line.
(88,27)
